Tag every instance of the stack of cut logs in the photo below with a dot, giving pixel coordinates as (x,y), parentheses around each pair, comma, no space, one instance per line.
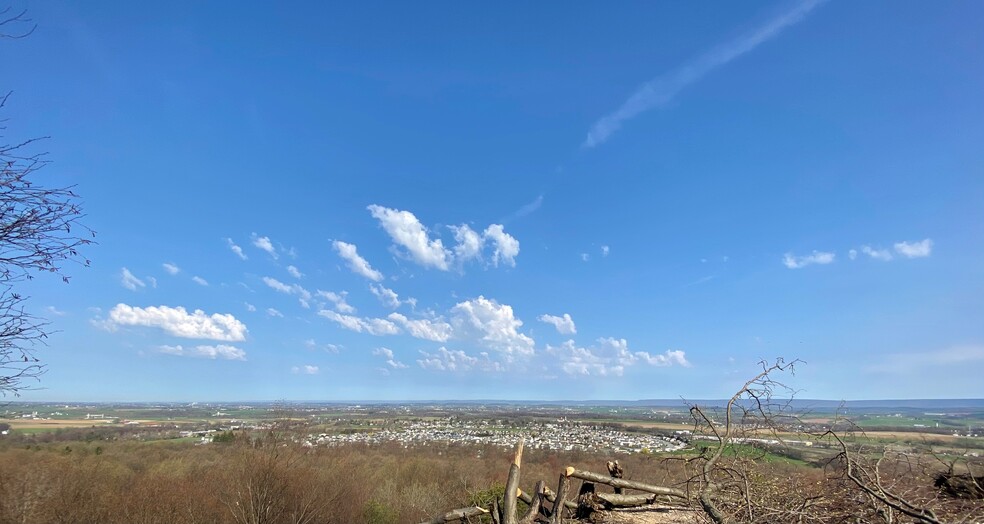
(547,506)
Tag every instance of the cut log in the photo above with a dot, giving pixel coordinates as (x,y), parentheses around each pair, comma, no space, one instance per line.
(622,483)
(457,515)
(512,488)
(536,504)
(616,472)
(618,500)
(586,502)
(558,508)
(496,512)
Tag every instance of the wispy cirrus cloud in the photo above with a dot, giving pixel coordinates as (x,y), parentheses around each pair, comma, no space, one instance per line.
(220,351)
(130,281)
(661,90)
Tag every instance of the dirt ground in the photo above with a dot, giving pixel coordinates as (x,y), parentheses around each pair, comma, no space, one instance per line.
(650,515)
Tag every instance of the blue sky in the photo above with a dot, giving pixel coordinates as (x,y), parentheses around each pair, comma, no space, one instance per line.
(544,201)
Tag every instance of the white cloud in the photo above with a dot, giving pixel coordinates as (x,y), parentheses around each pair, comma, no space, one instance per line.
(817,257)
(660,91)
(437,330)
(529,208)
(290,289)
(129,281)
(385,295)
(250,307)
(239,251)
(265,244)
(305,370)
(373,326)
(852,254)
(605,250)
(338,299)
(406,231)
(877,254)
(178,322)
(919,249)
(585,257)
(447,360)
(493,324)
(356,263)
(564,324)
(294,272)
(469,243)
(274,313)
(171,269)
(220,351)
(330,348)
(505,246)
(387,354)
(199,280)
(611,357)
(52,310)
(153,282)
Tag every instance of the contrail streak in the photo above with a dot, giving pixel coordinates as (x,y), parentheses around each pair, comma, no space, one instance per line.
(661,90)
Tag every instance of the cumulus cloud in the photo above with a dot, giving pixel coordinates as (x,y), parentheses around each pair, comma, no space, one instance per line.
(220,351)
(447,360)
(153,282)
(338,299)
(605,250)
(294,272)
(610,357)
(505,247)
(919,249)
(178,322)
(130,281)
(372,326)
(274,313)
(661,90)
(250,307)
(265,244)
(817,257)
(418,245)
(468,243)
(852,254)
(239,251)
(437,330)
(199,280)
(387,354)
(565,324)
(877,254)
(385,295)
(171,269)
(492,324)
(406,231)
(305,370)
(356,263)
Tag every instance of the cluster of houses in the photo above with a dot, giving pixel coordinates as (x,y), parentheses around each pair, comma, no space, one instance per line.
(558,435)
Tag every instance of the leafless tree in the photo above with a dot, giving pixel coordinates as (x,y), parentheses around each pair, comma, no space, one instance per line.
(40,231)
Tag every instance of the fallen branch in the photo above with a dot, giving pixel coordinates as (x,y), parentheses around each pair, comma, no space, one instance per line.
(457,515)
(622,483)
